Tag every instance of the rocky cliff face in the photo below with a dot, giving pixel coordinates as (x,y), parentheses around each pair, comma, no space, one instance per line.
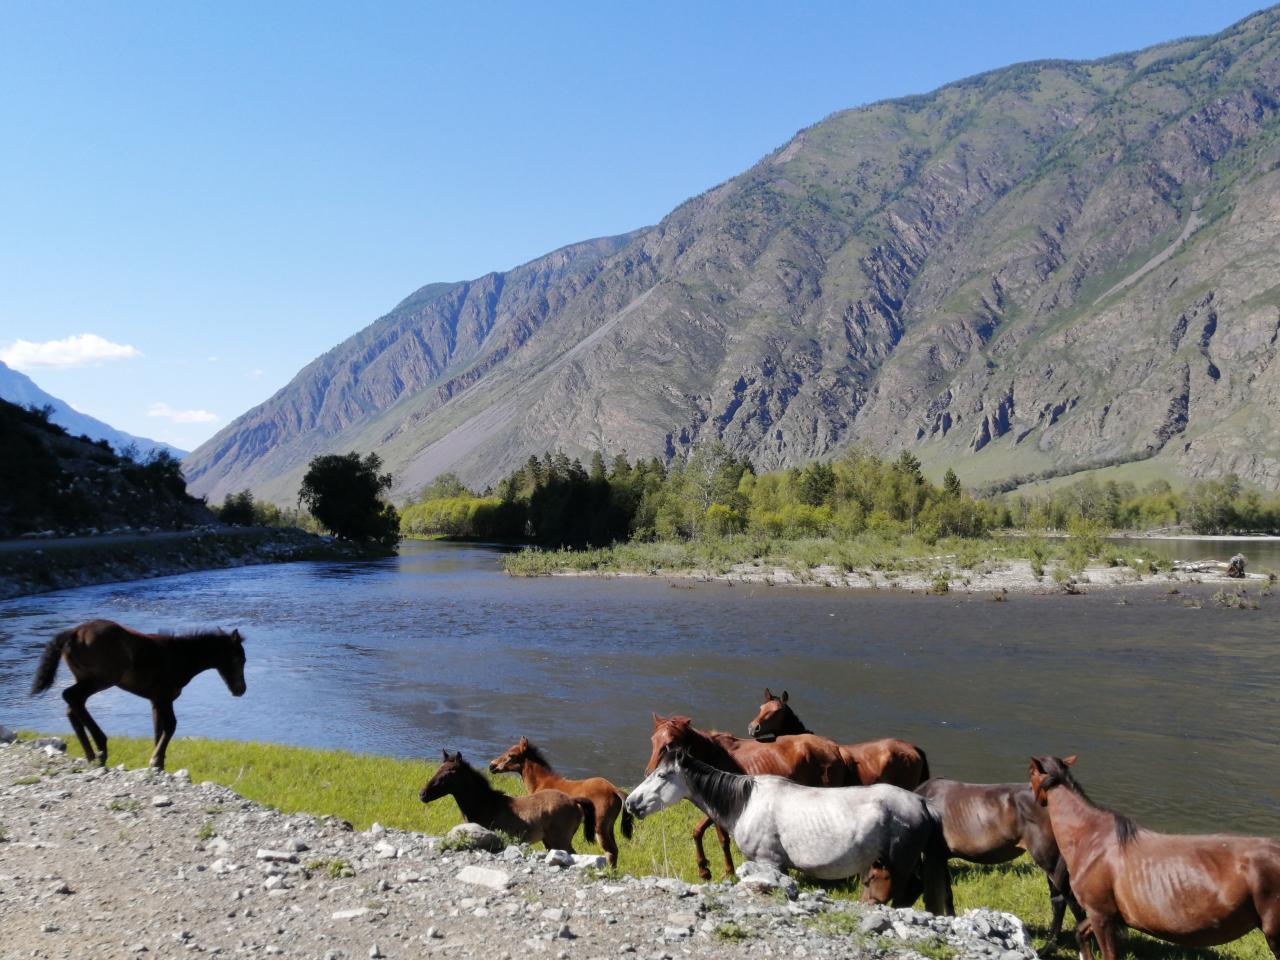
(1049,266)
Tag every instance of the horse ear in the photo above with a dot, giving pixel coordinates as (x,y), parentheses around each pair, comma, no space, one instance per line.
(1070,761)
(657,721)
(235,635)
(768,694)
(1036,765)
(524,743)
(784,696)
(446,755)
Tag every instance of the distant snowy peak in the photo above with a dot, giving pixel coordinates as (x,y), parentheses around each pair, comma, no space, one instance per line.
(20,389)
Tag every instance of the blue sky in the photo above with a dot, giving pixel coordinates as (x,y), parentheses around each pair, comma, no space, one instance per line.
(221,192)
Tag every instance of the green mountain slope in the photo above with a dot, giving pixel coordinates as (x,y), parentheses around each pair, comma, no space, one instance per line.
(1040,268)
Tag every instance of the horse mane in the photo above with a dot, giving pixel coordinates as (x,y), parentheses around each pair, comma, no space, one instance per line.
(1058,774)
(796,718)
(724,792)
(535,754)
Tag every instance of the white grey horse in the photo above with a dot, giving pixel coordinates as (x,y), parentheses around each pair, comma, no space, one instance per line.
(829,832)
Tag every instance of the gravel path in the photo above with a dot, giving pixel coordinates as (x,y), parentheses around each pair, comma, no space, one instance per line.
(111,863)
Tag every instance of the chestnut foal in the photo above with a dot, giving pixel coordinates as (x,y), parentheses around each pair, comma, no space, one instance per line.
(606,799)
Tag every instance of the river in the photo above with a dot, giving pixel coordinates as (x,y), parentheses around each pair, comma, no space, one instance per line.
(1173,709)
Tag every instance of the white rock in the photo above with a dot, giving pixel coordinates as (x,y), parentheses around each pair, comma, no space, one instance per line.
(554,914)
(764,878)
(584,860)
(376,829)
(350,914)
(374,952)
(558,858)
(472,836)
(161,801)
(273,883)
(218,845)
(485,877)
(385,851)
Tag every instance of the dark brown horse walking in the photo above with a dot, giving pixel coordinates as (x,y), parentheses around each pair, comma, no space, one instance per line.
(1196,891)
(806,759)
(102,654)
(606,799)
(874,761)
(992,823)
(550,816)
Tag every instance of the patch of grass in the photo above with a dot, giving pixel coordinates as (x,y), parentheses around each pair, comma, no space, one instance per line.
(207,832)
(335,869)
(124,805)
(731,932)
(26,781)
(4,833)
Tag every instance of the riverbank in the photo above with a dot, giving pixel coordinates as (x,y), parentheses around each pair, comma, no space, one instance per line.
(179,863)
(984,566)
(36,565)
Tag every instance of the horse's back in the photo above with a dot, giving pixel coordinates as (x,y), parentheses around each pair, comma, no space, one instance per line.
(888,760)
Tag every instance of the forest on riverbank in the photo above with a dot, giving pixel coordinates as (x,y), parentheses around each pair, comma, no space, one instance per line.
(556,502)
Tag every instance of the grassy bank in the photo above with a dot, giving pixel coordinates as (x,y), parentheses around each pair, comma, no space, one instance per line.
(364,789)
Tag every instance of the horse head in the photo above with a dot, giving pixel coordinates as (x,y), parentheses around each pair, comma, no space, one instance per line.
(231,664)
(668,732)
(512,761)
(665,786)
(443,780)
(772,715)
(1048,772)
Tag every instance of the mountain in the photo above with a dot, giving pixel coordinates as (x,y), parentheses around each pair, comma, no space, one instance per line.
(1044,268)
(20,389)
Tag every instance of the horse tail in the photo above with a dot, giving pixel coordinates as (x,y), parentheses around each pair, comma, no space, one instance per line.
(626,816)
(924,766)
(588,818)
(935,868)
(49,661)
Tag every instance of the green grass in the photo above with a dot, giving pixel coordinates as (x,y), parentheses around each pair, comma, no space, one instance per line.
(363,788)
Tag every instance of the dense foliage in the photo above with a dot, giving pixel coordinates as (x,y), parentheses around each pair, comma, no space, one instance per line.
(555,501)
(1206,507)
(344,494)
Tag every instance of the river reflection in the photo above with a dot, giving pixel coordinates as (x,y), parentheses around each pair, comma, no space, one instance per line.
(1172,708)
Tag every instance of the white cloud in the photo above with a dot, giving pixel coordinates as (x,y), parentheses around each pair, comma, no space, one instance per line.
(181,416)
(83,350)
(255,373)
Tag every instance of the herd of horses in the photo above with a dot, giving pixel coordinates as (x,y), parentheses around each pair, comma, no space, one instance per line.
(792,799)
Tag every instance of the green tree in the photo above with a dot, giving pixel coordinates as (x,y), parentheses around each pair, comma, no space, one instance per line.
(238,509)
(344,494)
(951,485)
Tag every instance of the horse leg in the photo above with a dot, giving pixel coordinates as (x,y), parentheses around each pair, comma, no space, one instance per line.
(165,724)
(604,833)
(75,696)
(704,869)
(729,873)
(1105,930)
(1084,930)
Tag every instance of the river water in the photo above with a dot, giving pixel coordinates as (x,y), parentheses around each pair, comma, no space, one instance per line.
(1173,710)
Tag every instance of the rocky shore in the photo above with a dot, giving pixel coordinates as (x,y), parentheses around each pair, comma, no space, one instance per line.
(36,565)
(990,577)
(115,863)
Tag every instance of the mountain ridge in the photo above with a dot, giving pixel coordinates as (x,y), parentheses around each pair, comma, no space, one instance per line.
(948,273)
(17,387)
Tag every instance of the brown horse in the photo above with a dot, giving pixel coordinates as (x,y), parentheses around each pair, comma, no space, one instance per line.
(994,823)
(549,816)
(1196,891)
(102,654)
(606,799)
(875,761)
(806,759)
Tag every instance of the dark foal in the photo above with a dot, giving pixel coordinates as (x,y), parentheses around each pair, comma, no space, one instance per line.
(102,654)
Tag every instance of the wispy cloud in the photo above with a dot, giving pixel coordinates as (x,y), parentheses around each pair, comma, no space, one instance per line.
(255,373)
(82,350)
(181,416)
